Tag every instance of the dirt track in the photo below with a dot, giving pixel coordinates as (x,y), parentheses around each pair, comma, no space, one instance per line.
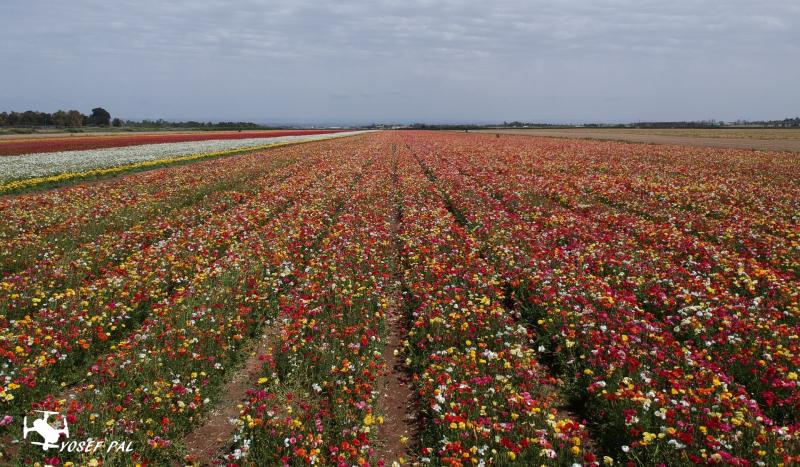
(716,142)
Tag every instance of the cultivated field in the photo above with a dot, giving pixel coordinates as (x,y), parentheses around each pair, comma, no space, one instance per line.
(41,161)
(412,297)
(735,138)
(27,144)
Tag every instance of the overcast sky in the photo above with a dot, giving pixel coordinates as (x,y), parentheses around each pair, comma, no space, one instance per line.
(404,60)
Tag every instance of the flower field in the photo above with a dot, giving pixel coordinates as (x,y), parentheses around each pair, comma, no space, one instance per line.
(30,169)
(33,145)
(558,302)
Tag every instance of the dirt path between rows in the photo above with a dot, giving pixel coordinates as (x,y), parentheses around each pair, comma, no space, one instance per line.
(398,435)
(206,443)
(728,143)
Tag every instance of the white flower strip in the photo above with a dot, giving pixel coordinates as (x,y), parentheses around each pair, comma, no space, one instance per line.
(54,163)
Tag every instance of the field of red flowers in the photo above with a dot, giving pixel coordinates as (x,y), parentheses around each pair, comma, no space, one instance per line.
(559,302)
(13,147)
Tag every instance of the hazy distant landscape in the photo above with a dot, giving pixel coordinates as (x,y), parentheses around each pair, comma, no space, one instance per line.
(764,139)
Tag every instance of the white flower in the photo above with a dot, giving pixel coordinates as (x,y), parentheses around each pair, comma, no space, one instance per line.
(677,445)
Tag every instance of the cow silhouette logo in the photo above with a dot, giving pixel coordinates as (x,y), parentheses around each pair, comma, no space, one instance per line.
(50,435)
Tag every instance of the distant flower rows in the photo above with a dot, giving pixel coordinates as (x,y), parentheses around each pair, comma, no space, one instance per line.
(38,144)
(54,166)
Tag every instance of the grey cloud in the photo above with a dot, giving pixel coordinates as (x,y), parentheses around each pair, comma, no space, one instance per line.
(443,60)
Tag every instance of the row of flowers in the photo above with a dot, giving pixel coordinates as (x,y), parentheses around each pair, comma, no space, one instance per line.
(152,386)
(316,402)
(642,357)
(485,397)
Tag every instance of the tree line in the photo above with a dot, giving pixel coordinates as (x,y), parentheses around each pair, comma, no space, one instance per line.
(785,123)
(700,124)
(101,117)
(60,118)
(160,123)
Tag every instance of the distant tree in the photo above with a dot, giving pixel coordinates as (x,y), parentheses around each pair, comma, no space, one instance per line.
(59,118)
(29,117)
(100,117)
(74,119)
(116,122)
